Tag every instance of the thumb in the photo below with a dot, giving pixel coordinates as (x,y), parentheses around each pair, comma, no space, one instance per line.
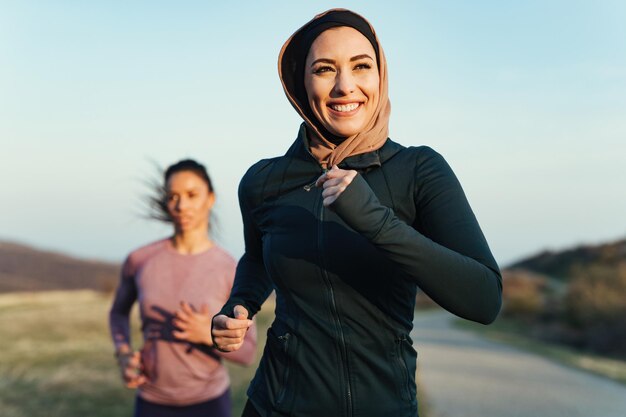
(240,312)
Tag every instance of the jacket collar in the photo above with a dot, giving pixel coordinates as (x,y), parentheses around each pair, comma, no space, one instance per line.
(361,162)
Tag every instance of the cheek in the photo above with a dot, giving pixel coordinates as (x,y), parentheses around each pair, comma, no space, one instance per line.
(204,207)
(372,86)
(314,92)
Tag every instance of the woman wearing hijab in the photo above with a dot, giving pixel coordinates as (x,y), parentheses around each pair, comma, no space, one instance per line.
(345,226)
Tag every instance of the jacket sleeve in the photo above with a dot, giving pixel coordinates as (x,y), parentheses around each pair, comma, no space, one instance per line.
(252,284)
(125,297)
(449,259)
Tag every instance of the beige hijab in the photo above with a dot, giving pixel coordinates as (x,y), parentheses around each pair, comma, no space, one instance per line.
(329,150)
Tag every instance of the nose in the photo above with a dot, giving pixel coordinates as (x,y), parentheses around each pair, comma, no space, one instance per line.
(344,83)
(181,203)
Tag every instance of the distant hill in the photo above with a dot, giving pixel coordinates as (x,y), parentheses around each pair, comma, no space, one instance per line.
(23,268)
(559,264)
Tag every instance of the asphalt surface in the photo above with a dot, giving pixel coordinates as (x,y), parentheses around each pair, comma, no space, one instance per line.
(464,375)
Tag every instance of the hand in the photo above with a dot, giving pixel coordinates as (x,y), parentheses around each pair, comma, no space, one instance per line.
(334,182)
(228,334)
(195,327)
(130,369)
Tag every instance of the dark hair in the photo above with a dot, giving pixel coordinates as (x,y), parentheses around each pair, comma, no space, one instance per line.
(158,201)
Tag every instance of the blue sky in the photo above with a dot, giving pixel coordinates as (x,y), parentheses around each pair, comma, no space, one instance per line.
(526,101)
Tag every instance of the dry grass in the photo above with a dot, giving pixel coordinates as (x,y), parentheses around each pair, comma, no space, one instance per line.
(57,359)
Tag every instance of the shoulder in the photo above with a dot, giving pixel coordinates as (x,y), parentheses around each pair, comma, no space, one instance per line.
(253,183)
(413,158)
(258,172)
(427,160)
(222,266)
(422,153)
(223,257)
(138,257)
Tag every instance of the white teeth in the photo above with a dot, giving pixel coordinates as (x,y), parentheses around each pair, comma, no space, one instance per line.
(344,107)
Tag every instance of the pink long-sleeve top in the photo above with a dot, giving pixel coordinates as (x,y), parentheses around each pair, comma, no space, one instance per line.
(156,275)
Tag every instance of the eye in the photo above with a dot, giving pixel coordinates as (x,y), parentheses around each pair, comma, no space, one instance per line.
(322,69)
(172,198)
(363,66)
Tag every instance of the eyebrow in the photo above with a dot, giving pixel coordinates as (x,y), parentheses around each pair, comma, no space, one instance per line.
(332,61)
(356,58)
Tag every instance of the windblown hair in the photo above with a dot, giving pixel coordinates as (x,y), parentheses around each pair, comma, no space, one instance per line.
(158,200)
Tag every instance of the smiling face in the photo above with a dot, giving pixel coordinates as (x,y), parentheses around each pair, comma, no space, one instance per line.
(341,80)
(189,201)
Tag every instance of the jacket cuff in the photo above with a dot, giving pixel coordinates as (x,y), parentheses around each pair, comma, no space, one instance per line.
(359,207)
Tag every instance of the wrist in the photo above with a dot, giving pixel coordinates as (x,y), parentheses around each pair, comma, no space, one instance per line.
(123,355)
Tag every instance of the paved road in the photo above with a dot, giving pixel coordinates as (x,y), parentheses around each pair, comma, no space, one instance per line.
(464,375)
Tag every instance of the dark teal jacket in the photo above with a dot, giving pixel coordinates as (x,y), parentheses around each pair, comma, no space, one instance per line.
(346,277)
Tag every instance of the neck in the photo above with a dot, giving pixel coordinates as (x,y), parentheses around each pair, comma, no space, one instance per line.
(191,241)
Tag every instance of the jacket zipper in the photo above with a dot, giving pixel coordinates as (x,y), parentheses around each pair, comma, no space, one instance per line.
(283,388)
(342,340)
(311,185)
(405,370)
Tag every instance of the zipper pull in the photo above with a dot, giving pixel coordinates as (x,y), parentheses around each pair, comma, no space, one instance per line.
(310,186)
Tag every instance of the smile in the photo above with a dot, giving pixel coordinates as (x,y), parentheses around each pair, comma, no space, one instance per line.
(344,108)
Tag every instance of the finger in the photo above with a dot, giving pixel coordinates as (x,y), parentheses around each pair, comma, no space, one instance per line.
(225,340)
(341,174)
(136,382)
(332,196)
(224,323)
(182,315)
(140,380)
(230,333)
(331,182)
(187,308)
(337,188)
(135,360)
(346,178)
(240,312)
(130,374)
(230,347)
(180,335)
(329,200)
(236,324)
(218,322)
(321,180)
(334,171)
(181,324)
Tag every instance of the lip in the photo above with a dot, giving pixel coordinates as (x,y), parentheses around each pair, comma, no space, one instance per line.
(181,220)
(345,113)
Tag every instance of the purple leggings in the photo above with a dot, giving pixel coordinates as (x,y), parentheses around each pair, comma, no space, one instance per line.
(217,407)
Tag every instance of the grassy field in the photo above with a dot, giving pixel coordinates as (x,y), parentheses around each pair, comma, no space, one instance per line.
(57,359)
(513,333)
